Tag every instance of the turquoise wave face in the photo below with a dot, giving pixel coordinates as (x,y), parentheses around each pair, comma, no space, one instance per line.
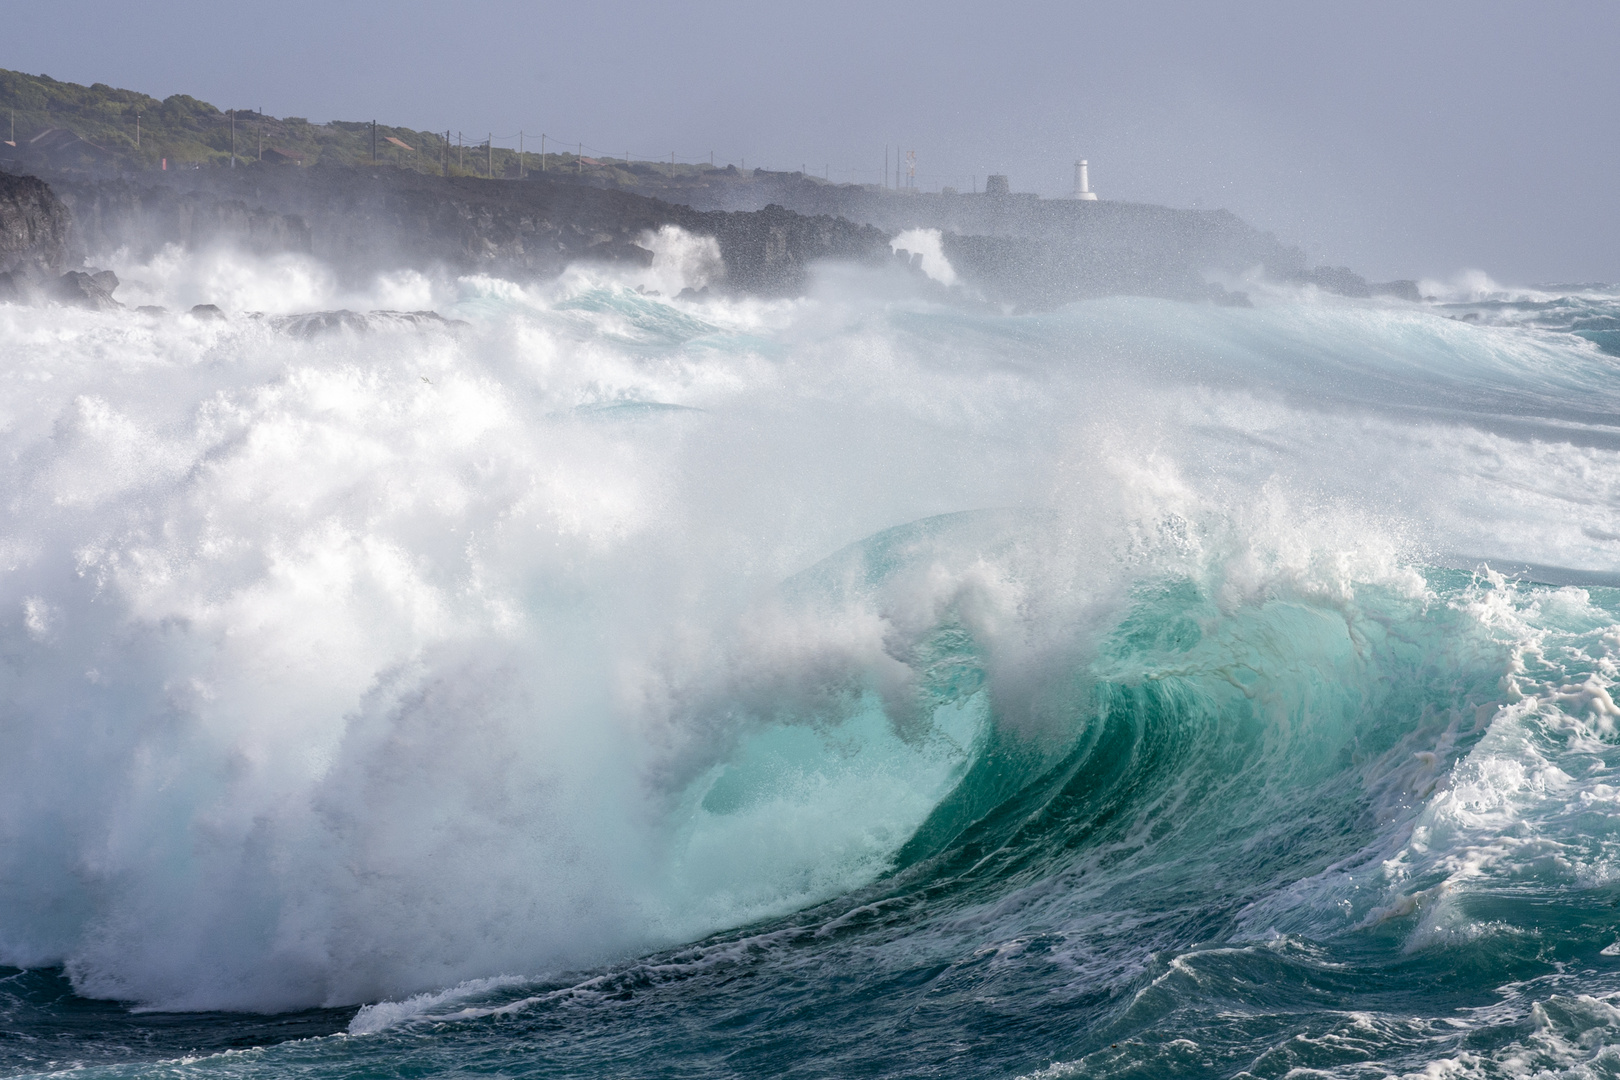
(1292,835)
(618,684)
(1311,833)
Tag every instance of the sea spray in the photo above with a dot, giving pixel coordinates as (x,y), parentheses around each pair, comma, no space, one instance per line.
(1121,689)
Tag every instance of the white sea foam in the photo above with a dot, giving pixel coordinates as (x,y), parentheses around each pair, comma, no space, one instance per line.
(455,1003)
(927,245)
(370,663)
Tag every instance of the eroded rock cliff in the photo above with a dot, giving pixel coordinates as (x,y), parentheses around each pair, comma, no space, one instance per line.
(36,228)
(362,221)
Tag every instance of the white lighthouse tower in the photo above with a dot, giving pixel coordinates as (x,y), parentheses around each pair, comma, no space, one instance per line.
(1082,184)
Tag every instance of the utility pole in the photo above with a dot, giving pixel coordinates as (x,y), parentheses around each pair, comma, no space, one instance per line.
(460,152)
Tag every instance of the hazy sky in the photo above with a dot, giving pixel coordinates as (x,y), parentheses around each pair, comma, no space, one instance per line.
(1403,139)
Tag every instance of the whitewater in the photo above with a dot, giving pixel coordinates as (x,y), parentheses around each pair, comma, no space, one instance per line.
(615,676)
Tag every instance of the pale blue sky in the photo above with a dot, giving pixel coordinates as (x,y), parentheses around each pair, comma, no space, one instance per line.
(1401,138)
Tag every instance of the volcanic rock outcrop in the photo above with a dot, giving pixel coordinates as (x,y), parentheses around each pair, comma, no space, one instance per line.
(36,232)
(1016,250)
(361,221)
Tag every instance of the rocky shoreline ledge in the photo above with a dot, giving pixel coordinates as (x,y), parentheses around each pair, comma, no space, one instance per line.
(1026,254)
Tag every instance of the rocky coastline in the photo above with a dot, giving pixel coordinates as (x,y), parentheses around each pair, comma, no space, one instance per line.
(1015,251)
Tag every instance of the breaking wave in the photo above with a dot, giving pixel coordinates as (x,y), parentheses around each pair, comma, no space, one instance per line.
(1132,689)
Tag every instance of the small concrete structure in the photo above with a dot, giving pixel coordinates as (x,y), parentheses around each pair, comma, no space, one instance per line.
(996,184)
(1082,183)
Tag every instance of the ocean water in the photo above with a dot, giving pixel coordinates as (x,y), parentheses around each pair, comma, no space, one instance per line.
(589,681)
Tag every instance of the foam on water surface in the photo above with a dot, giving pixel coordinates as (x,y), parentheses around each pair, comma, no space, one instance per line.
(630,664)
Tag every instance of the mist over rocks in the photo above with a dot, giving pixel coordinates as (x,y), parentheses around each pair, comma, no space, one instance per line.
(322,190)
(1019,248)
(770,250)
(127,214)
(1027,250)
(364,220)
(92,291)
(40,247)
(1346,282)
(1013,250)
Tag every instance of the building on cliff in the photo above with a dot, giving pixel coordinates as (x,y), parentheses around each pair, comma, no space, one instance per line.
(58,147)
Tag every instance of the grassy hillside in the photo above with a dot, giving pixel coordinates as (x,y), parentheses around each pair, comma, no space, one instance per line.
(191,133)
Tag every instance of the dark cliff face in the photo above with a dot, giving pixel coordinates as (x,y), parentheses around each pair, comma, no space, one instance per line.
(771,250)
(115,214)
(362,221)
(1016,250)
(36,228)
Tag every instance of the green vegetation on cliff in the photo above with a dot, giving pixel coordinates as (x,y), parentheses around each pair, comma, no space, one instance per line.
(68,125)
